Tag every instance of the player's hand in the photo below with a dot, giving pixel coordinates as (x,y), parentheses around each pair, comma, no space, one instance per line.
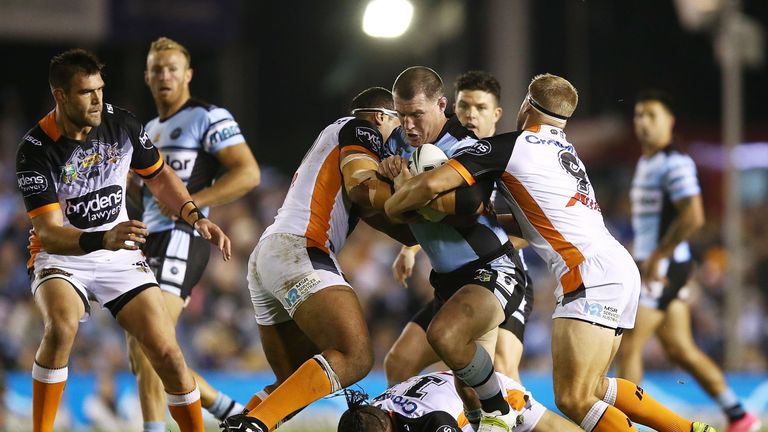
(126,235)
(211,232)
(650,270)
(403,176)
(391,166)
(402,268)
(167,212)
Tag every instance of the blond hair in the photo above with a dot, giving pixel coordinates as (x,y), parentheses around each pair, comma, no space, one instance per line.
(554,93)
(165,43)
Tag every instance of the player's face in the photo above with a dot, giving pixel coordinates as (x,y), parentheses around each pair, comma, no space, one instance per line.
(478,111)
(83,102)
(653,124)
(389,124)
(422,118)
(168,76)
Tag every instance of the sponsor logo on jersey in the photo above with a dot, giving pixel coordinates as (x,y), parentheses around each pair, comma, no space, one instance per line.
(95,208)
(534,139)
(144,139)
(109,108)
(31,182)
(33,140)
(445,428)
(223,131)
(182,161)
(51,271)
(176,133)
(370,137)
(579,197)
(142,266)
(478,148)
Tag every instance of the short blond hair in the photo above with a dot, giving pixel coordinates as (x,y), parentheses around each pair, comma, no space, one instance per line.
(165,43)
(554,93)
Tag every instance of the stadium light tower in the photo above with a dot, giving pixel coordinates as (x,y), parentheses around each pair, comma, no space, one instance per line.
(387,18)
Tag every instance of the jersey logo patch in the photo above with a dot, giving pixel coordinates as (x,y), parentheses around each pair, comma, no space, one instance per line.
(370,137)
(144,139)
(95,208)
(478,148)
(176,133)
(31,182)
(33,140)
(84,160)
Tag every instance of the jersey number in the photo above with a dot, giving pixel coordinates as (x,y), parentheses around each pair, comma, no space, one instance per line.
(572,166)
(416,391)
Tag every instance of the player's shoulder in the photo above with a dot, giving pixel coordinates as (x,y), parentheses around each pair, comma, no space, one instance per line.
(115,115)
(674,155)
(211,112)
(34,140)
(361,132)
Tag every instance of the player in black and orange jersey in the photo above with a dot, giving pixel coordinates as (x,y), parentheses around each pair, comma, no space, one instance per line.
(72,169)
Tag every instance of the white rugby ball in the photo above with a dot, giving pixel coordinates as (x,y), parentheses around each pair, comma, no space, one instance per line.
(426,157)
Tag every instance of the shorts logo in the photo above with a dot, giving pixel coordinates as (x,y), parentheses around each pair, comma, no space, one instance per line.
(483,275)
(50,271)
(300,290)
(478,148)
(95,208)
(370,137)
(31,182)
(597,310)
(142,266)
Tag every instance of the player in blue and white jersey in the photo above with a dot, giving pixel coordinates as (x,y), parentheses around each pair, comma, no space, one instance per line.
(667,210)
(198,141)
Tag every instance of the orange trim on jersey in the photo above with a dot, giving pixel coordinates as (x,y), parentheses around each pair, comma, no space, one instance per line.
(571,280)
(44,209)
(327,185)
(147,172)
(462,420)
(49,126)
(534,128)
(463,172)
(515,399)
(34,248)
(360,149)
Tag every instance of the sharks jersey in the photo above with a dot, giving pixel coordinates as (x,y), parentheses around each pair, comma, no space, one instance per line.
(659,181)
(189,140)
(85,180)
(449,247)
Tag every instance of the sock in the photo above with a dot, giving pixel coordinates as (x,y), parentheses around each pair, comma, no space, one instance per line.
(223,406)
(605,418)
(640,407)
(154,426)
(731,405)
(479,375)
(311,381)
(256,399)
(186,409)
(47,389)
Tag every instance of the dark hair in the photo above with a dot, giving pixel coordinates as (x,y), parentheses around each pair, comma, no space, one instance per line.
(69,63)
(374,97)
(479,80)
(657,95)
(364,418)
(416,80)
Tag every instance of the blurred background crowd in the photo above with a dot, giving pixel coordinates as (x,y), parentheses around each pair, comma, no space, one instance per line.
(284,82)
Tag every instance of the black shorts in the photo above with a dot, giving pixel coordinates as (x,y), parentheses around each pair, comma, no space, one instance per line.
(677,274)
(178,258)
(519,298)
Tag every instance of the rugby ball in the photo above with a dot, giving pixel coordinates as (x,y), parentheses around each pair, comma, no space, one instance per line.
(426,157)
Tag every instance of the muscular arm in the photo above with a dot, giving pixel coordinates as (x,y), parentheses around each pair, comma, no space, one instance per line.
(690,218)
(416,192)
(242,174)
(57,239)
(167,188)
(364,186)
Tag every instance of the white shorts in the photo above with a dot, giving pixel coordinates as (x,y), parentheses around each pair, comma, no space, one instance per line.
(111,277)
(283,273)
(611,294)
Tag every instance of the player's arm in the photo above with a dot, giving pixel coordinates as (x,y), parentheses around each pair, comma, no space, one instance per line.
(689,219)
(242,174)
(416,192)
(363,184)
(57,239)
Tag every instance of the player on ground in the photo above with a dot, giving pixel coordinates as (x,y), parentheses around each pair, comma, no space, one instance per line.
(430,403)
(477,108)
(667,210)
(310,320)
(72,169)
(197,139)
(554,204)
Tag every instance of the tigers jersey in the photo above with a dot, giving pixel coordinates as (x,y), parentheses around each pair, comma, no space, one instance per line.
(449,247)
(549,193)
(421,395)
(85,180)
(316,206)
(659,181)
(189,139)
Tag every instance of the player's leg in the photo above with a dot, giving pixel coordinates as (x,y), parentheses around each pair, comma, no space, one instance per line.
(629,363)
(551,422)
(159,344)
(677,341)
(411,353)
(61,307)
(509,351)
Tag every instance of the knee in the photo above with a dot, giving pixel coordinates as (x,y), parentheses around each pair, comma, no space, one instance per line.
(61,332)
(442,337)
(396,366)
(573,404)
(168,358)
